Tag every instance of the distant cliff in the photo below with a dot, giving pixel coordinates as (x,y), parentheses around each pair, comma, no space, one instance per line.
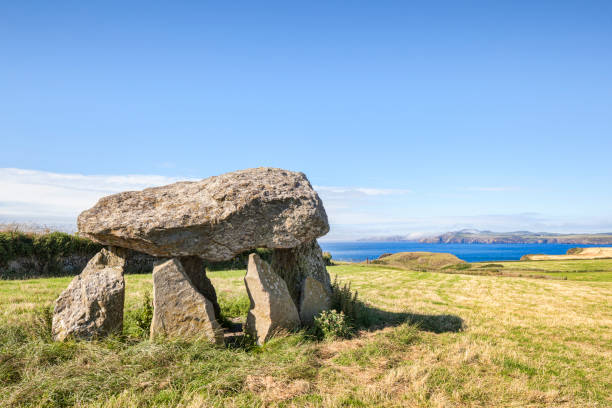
(516,237)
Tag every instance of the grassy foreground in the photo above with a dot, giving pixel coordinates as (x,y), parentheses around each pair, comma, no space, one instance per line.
(451,340)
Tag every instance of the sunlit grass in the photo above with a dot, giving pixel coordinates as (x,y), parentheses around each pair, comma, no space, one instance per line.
(522,342)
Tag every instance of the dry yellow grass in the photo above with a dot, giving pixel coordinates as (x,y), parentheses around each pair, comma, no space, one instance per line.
(578,253)
(451,340)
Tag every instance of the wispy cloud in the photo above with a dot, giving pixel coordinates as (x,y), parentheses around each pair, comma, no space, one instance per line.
(354,212)
(40,194)
(368,191)
(492,189)
(415,227)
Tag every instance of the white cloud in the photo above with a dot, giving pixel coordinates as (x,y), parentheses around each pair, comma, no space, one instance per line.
(360,190)
(40,194)
(414,227)
(354,212)
(492,189)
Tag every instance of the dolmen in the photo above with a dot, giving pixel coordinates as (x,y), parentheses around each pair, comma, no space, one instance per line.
(186,223)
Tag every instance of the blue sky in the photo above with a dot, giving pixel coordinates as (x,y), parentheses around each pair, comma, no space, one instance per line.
(409,117)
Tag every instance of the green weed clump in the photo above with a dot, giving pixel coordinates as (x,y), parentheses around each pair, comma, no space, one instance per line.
(331,325)
(232,307)
(138,321)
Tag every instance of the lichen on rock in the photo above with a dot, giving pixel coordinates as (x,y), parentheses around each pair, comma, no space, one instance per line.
(92,305)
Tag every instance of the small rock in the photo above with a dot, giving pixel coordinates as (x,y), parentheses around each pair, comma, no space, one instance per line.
(272,309)
(92,305)
(314,299)
(179,309)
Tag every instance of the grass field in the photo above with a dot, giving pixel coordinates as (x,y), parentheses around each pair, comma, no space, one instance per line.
(450,340)
(582,270)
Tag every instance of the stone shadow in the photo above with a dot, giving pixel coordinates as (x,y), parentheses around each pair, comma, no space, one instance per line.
(436,323)
(374,319)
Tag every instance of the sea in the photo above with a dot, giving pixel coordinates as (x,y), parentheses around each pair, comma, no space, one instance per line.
(360,251)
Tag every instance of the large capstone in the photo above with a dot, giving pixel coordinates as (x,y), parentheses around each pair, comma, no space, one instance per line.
(92,305)
(272,309)
(215,218)
(179,309)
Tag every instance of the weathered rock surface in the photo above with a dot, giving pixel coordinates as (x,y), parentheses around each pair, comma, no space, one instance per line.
(92,305)
(179,309)
(272,309)
(296,264)
(215,218)
(196,271)
(315,298)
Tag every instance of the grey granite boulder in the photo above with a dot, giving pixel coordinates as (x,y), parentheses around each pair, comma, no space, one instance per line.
(296,264)
(179,309)
(272,309)
(195,270)
(314,299)
(215,218)
(92,305)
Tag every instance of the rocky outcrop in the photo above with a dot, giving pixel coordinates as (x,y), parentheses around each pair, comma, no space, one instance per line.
(92,305)
(179,309)
(296,264)
(215,218)
(272,309)
(314,299)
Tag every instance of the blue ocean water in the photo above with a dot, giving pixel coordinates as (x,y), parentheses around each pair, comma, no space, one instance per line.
(360,251)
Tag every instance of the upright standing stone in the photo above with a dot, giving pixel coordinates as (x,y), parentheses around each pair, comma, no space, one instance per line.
(92,305)
(194,268)
(179,309)
(314,299)
(272,309)
(296,264)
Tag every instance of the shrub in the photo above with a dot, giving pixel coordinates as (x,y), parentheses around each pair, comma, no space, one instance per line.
(458,267)
(345,301)
(331,324)
(327,258)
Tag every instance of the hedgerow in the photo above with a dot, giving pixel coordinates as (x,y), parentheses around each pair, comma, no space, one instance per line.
(44,247)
